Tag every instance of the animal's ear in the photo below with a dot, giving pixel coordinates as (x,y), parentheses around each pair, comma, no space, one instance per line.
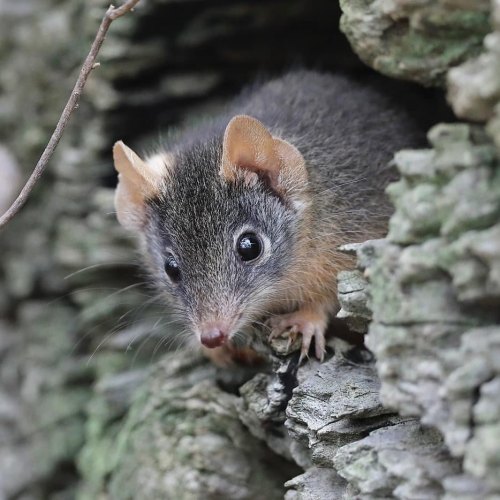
(249,149)
(137,181)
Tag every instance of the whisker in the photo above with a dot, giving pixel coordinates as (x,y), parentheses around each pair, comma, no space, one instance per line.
(96,266)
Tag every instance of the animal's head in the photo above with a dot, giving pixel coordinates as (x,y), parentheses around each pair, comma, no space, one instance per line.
(220,222)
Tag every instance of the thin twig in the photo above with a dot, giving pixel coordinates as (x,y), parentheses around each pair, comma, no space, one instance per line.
(89,64)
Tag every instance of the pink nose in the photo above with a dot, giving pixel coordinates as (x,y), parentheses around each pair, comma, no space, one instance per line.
(212,337)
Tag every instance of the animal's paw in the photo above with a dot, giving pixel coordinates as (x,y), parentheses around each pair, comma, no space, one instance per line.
(307,323)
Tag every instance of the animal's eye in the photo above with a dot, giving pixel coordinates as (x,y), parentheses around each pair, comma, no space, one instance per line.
(172,268)
(249,247)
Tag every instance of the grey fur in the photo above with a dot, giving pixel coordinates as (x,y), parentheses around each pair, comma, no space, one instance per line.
(347,133)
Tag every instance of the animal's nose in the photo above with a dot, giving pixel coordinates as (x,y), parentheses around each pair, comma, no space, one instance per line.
(212,337)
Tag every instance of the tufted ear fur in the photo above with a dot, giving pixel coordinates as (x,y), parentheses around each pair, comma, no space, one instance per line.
(138,180)
(250,150)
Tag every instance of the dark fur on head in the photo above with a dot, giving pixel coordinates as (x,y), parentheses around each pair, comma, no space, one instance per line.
(198,217)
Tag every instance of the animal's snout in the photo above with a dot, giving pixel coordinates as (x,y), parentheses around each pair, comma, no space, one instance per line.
(213,336)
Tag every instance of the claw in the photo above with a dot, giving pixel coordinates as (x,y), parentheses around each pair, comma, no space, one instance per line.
(319,345)
(304,353)
(275,332)
(273,335)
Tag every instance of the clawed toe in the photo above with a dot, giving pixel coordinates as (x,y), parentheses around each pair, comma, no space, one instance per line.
(319,345)
(304,350)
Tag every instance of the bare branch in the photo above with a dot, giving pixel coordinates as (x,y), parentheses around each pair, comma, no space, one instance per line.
(88,65)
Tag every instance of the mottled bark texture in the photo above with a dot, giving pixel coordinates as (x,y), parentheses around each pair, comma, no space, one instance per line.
(91,406)
(417,40)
